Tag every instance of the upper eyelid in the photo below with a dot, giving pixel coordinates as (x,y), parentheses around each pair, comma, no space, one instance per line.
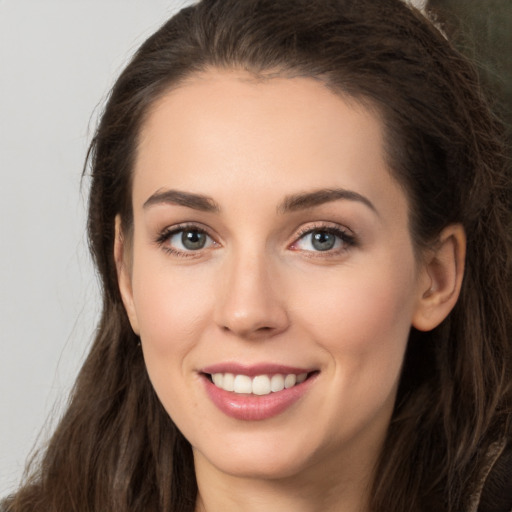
(323,225)
(165,234)
(184,226)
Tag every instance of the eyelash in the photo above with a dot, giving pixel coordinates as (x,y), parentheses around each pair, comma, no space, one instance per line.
(346,238)
(164,237)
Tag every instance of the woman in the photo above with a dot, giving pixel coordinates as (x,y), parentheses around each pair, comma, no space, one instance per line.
(300,212)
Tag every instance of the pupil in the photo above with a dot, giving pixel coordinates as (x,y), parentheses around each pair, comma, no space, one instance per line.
(323,241)
(193,240)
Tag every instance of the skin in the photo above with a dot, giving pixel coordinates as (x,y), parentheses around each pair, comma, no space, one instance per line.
(260,291)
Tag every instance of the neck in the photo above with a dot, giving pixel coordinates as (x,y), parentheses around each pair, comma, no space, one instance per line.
(318,489)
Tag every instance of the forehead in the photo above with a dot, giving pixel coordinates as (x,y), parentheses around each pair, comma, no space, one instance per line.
(226,129)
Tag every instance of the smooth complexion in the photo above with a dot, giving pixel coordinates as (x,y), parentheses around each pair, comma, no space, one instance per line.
(237,261)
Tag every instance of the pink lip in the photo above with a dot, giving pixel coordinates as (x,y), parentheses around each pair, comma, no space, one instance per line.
(253,407)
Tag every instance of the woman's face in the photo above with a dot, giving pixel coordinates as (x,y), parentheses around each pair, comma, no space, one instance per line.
(270,245)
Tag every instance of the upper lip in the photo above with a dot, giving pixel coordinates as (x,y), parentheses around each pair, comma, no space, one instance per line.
(254,369)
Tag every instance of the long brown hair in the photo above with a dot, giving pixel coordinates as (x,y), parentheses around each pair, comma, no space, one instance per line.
(116,449)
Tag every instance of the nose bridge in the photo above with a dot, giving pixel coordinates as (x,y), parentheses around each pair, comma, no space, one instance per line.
(250,303)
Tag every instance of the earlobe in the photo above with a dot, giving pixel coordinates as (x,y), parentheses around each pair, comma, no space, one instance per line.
(441,282)
(124,279)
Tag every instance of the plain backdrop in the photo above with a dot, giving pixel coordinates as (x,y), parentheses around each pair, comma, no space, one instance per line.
(58,60)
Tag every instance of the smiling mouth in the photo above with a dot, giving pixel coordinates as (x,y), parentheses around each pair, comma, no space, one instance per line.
(258,385)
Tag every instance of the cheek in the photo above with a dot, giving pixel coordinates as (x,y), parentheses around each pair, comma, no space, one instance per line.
(171,309)
(170,306)
(362,322)
(363,315)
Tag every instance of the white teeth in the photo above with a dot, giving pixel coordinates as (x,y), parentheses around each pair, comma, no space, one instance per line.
(259,385)
(243,384)
(228,382)
(290,380)
(218,378)
(301,377)
(277,383)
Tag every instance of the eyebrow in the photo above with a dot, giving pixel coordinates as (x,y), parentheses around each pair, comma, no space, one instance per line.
(177,197)
(307,200)
(291,203)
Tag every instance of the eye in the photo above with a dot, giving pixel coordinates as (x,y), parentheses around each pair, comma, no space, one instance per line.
(183,240)
(190,240)
(324,239)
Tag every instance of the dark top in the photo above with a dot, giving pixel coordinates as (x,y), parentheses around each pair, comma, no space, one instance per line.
(494,490)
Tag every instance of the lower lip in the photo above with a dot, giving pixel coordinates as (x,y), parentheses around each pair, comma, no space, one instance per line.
(256,407)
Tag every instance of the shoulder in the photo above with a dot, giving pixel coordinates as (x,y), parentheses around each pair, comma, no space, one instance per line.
(496,488)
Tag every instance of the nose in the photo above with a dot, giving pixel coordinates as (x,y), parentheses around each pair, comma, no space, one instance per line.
(250,303)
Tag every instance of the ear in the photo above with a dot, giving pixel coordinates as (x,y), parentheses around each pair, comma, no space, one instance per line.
(124,277)
(441,278)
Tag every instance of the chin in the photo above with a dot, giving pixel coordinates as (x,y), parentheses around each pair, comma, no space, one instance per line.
(263,459)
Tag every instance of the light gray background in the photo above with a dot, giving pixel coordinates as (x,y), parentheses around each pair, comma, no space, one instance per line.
(58,59)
